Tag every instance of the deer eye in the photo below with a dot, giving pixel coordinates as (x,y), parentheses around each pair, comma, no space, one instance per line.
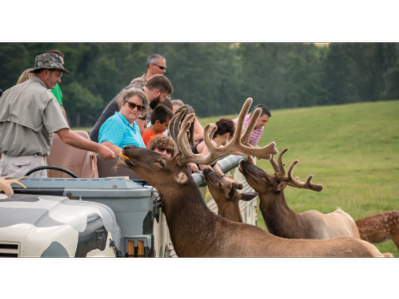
(220,184)
(161,163)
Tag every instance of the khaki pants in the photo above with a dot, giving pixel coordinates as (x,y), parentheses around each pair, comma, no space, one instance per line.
(18,166)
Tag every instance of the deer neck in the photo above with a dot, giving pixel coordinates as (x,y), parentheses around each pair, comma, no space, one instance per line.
(279,218)
(231,210)
(191,223)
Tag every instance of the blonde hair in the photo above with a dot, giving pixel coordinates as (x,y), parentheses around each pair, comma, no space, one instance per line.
(133,91)
(26,74)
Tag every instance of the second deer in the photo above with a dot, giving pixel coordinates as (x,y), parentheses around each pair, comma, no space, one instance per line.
(380,228)
(286,223)
(226,196)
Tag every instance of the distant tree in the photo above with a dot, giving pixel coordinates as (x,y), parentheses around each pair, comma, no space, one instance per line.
(80,110)
(13,61)
(216,78)
(305,88)
(371,60)
(338,77)
(392,78)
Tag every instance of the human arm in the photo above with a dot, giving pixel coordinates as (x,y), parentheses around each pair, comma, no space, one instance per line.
(193,167)
(56,91)
(249,157)
(116,149)
(216,167)
(142,123)
(64,113)
(69,137)
(198,130)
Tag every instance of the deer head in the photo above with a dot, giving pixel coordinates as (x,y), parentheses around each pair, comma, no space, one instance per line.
(226,196)
(151,165)
(223,190)
(265,183)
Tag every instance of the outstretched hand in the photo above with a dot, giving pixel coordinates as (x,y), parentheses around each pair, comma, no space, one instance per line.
(250,159)
(106,153)
(193,167)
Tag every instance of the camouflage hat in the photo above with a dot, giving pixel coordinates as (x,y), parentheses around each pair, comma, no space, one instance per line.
(48,61)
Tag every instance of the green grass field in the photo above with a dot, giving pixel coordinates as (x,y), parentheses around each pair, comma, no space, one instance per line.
(352,150)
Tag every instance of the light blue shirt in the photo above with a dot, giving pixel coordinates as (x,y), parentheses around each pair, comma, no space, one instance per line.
(119,132)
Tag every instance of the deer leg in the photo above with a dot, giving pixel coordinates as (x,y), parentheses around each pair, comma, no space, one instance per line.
(395,238)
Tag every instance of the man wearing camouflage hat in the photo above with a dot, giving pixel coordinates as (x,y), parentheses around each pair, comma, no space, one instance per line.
(30,115)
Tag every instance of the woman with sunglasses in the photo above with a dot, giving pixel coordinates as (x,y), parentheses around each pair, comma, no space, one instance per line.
(121,129)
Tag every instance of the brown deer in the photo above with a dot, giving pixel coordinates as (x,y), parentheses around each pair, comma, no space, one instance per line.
(226,196)
(197,232)
(286,223)
(380,228)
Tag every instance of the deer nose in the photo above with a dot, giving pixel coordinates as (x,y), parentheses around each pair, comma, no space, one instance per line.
(206,170)
(243,162)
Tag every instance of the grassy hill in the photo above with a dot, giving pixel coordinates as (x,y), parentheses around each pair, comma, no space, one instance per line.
(352,150)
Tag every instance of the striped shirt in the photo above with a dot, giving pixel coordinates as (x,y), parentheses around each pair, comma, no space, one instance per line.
(256,134)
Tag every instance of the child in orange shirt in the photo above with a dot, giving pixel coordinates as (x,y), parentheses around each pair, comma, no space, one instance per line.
(160,118)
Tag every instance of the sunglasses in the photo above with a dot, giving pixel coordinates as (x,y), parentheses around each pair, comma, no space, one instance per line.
(161,67)
(133,105)
(168,150)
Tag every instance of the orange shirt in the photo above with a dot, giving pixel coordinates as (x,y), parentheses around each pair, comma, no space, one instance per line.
(148,135)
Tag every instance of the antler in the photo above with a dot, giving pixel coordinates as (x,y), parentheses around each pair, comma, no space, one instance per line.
(238,143)
(289,179)
(5,185)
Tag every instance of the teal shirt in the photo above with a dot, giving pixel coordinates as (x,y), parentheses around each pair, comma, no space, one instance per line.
(57,93)
(117,131)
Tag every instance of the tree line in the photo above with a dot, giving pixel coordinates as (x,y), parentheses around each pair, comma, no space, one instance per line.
(216,78)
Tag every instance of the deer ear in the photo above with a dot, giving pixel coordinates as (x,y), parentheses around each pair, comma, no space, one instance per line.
(281,186)
(247,196)
(181,178)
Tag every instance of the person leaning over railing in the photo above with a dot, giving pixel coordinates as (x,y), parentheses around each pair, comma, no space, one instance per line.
(121,129)
(225,131)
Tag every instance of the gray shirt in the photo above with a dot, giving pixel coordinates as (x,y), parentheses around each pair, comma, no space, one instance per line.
(29,115)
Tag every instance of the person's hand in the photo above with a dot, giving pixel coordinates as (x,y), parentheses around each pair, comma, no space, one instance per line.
(105,153)
(193,167)
(250,159)
(202,167)
(231,180)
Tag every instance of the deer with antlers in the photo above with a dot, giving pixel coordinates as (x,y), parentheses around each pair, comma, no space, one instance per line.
(195,230)
(226,196)
(286,223)
(380,228)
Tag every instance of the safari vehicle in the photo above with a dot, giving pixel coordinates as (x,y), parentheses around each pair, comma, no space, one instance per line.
(85,209)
